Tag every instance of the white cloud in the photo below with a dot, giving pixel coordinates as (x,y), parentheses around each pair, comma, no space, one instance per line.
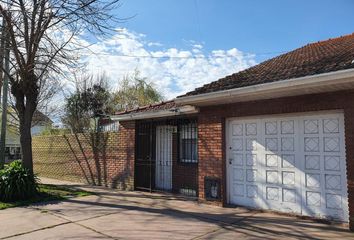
(198,46)
(173,71)
(154,44)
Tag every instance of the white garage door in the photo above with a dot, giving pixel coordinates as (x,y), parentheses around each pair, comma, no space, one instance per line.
(289,163)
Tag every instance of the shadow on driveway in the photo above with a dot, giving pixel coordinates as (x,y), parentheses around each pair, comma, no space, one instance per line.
(239,220)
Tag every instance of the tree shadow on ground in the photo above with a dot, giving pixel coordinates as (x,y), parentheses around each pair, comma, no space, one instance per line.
(249,223)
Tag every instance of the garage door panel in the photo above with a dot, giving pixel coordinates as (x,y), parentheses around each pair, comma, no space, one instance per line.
(271,144)
(272,176)
(238,159)
(331,125)
(272,160)
(272,193)
(290,164)
(252,191)
(332,163)
(313,198)
(251,159)
(313,180)
(251,144)
(238,174)
(238,189)
(312,144)
(251,129)
(237,144)
(312,162)
(311,126)
(271,128)
(334,201)
(288,178)
(333,182)
(251,175)
(288,161)
(331,144)
(237,129)
(289,195)
(287,127)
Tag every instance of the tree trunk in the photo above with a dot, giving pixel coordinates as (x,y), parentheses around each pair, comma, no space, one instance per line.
(26,144)
(26,107)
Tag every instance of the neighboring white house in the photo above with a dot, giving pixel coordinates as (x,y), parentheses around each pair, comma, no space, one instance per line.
(13,147)
(40,123)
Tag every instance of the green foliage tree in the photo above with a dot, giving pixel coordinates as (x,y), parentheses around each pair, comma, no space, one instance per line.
(85,105)
(135,91)
(93,99)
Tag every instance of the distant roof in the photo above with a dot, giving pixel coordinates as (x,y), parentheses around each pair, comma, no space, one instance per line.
(314,58)
(39,117)
(152,107)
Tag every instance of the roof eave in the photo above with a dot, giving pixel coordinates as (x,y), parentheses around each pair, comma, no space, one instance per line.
(183,110)
(325,82)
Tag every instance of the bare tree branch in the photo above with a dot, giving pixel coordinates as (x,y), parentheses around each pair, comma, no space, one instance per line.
(43,39)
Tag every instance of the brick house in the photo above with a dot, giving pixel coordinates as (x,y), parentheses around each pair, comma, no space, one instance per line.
(277,136)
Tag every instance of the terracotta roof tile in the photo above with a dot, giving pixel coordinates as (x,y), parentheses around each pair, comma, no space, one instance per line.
(314,58)
(152,107)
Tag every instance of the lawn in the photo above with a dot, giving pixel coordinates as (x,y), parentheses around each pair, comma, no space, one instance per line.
(47,193)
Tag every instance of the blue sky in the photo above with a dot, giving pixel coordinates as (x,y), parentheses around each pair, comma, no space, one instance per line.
(188,43)
(255,26)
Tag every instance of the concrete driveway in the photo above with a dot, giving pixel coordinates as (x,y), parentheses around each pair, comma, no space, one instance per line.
(138,215)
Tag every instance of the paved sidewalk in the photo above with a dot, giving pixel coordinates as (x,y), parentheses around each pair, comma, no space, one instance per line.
(138,215)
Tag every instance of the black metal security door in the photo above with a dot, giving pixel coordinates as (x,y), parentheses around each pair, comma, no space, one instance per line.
(144,161)
(166,156)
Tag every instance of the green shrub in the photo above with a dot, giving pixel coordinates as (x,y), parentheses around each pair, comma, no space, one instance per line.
(17,183)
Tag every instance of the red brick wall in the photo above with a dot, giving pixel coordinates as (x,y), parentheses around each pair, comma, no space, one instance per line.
(211,131)
(100,159)
(210,149)
(184,175)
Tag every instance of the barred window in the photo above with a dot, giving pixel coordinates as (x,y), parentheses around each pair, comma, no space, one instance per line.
(188,143)
(109,126)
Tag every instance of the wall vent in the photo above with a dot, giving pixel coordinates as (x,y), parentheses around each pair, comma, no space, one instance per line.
(212,188)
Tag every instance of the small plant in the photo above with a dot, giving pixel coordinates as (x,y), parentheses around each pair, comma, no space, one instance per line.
(17,183)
